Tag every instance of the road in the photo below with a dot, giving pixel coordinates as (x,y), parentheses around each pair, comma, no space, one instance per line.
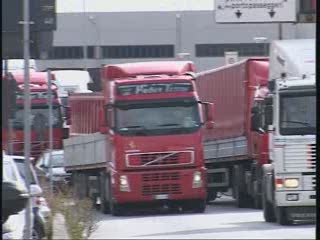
(220,221)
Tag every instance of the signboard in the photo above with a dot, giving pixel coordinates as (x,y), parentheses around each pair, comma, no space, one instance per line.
(134,89)
(255,11)
(231,57)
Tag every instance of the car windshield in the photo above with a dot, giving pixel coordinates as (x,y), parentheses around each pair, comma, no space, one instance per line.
(39,117)
(22,170)
(157,119)
(57,160)
(298,114)
(8,172)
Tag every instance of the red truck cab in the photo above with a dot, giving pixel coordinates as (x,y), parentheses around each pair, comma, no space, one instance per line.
(154,121)
(39,114)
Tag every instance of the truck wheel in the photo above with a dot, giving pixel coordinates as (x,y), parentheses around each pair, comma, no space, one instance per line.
(257,202)
(268,210)
(211,195)
(243,200)
(115,208)
(199,206)
(104,203)
(282,217)
(257,199)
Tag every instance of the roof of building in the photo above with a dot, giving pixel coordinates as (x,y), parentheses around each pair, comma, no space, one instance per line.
(64,6)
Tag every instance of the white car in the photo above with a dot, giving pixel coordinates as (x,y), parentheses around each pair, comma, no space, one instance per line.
(59,175)
(40,207)
(15,225)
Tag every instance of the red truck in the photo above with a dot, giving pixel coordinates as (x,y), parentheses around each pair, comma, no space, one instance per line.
(39,115)
(234,154)
(139,141)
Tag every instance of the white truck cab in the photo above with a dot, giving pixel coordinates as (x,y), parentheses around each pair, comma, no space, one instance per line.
(289,181)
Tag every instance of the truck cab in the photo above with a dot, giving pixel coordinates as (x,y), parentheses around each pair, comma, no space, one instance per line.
(154,120)
(289,179)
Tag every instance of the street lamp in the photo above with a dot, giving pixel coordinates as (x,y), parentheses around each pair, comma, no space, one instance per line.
(264,41)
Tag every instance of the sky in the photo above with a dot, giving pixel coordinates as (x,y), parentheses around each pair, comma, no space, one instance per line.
(132,5)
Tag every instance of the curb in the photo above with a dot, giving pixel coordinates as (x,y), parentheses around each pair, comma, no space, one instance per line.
(59,227)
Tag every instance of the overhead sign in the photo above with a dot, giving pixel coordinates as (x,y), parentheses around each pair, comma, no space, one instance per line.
(231,57)
(134,89)
(255,11)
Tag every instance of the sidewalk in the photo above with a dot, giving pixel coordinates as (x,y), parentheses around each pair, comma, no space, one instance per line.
(59,227)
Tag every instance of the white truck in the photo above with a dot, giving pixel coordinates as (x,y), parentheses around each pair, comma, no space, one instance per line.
(289,117)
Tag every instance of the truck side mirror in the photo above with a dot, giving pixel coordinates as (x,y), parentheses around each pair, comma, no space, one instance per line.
(65,133)
(268,111)
(209,110)
(103,128)
(255,122)
(68,115)
(269,115)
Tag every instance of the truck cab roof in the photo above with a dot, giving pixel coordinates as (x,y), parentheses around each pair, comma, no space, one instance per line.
(132,70)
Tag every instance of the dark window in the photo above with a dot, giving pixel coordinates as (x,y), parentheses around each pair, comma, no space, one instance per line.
(243,49)
(141,51)
(66,53)
(90,52)
(307,6)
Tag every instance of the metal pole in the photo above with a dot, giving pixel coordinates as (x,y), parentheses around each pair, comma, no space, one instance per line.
(178,34)
(50,130)
(84,38)
(280,31)
(27,111)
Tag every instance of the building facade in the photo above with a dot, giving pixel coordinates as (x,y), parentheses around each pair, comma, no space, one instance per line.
(89,40)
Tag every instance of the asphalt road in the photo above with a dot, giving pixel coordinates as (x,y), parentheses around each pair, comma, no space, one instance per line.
(221,220)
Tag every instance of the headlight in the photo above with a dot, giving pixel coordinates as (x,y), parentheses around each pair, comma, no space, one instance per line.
(291,182)
(124,183)
(197,180)
(123,180)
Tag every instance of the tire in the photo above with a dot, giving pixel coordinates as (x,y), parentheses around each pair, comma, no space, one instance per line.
(199,206)
(257,202)
(268,210)
(115,209)
(104,202)
(243,200)
(282,217)
(211,195)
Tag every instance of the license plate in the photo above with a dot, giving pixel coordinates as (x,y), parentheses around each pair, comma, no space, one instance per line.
(161,196)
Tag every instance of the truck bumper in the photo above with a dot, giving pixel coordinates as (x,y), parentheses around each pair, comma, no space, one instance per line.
(302,213)
(295,198)
(160,185)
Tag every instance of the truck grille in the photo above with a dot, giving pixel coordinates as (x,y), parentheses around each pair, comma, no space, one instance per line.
(154,189)
(309,182)
(300,157)
(160,159)
(160,176)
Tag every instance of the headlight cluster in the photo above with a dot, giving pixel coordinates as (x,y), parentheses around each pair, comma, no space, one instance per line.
(287,183)
(124,183)
(197,180)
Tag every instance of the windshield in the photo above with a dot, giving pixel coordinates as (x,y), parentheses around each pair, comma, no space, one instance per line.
(298,114)
(8,172)
(157,118)
(39,118)
(57,160)
(22,171)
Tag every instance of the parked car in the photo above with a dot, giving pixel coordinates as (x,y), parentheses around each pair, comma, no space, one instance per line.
(14,225)
(40,207)
(59,175)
